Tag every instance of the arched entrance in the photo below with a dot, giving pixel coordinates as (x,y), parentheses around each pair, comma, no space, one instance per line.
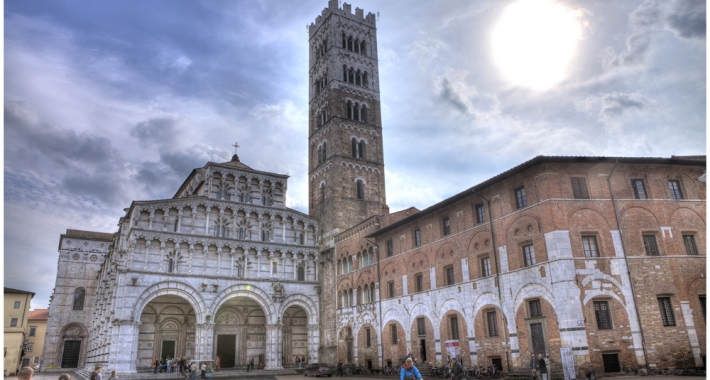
(240,333)
(73,346)
(295,335)
(167,330)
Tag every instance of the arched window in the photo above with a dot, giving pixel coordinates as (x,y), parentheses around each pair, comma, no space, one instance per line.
(344,42)
(372,292)
(349,105)
(360,189)
(360,292)
(345,73)
(350,264)
(351,76)
(320,155)
(361,149)
(325,151)
(356,112)
(240,270)
(323,117)
(264,235)
(363,114)
(322,194)
(358,78)
(241,233)
(363,47)
(177,224)
(350,43)
(302,238)
(354,147)
(364,79)
(79,299)
(351,300)
(301,273)
(171,264)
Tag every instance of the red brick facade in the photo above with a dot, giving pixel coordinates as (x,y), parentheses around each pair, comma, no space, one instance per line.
(600,275)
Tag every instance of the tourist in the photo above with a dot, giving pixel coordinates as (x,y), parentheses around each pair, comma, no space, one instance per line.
(409,371)
(96,375)
(156,365)
(64,376)
(298,362)
(170,364)
(340,369)
(217,363)
(203,370)
(113,376)
(193,371)
(533,365)
(26,373)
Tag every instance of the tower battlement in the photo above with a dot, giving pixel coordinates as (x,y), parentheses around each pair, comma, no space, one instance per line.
(345,11)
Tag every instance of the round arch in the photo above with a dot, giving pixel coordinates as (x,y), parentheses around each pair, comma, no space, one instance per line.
(249,291)
(302,301)
(171,288)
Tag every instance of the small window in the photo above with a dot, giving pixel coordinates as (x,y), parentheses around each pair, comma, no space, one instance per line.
(13,322)
(265,235)
(485,266)
(420,282)
(454,322)
(274,268)
(446,222)
(17,304)
(666,308)
(579,188)
(170,265)
(691,248)
(29,347)
(36,360)
(449,270)
(650,245)
(78,299)
(674,187)
(302,238)
(701,298)
(301,274)
(33,331)
(528,255)
(535,309)
(603,315)
(480,213)
(520,198)
(360,190)
(390,289)
(492,323)
(417,238)
(589,243)
(421,326)
(390,248)
(393,332)
(368,343)
(639,189)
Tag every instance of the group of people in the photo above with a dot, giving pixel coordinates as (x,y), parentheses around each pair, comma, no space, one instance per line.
(26,373)
(540,366)
(300,361)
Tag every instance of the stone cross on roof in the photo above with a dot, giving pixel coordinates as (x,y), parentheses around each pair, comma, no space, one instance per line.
(236,145)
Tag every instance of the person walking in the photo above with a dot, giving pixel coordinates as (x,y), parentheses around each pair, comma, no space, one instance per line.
(457,369)
(340,369)
(217,363)
(203,370)
(533,366)
(156,364)
(193,371)
(409,371)
(298,362)
(542,366)
(170,364)
(113,376)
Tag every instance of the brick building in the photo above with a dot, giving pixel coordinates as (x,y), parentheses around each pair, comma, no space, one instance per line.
(600,255)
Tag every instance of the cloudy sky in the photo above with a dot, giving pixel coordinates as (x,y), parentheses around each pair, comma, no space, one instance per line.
(109,102)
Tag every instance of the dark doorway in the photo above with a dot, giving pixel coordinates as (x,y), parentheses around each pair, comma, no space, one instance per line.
(611,362)
(538,338)
(168,349)
(25,362)
(422,350)
(70,356)
(498,363)
(349,350)
(226,350)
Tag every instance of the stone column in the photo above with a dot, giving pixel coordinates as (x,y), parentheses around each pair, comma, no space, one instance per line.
(313,342)
(437,340)
(272,357)
(122,357)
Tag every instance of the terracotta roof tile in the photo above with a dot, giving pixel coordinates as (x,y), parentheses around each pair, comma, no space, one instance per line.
(39,314)
(17,291)
(89,235)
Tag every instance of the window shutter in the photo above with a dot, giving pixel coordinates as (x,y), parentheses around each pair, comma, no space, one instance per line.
(579,188)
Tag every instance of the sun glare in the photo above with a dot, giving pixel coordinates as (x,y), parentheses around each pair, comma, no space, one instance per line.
(534,42)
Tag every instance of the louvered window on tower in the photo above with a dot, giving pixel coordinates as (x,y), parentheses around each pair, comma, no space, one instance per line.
(579,188)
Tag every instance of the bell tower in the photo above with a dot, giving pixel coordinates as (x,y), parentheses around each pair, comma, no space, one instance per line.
(346,164)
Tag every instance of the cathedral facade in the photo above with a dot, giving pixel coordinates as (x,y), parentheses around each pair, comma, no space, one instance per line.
(599,262)
(221,269)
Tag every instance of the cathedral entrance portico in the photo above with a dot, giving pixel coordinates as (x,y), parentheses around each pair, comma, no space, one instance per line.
(166,329)
(240,333)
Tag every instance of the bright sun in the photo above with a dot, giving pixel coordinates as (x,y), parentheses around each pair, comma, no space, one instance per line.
(534,41)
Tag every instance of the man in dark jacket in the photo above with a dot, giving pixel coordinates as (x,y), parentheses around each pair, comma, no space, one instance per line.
(533,365)
(542,366)
(340,369)
(457,368)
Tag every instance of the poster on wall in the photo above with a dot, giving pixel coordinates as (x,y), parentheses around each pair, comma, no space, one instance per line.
(452,347)
(568,364)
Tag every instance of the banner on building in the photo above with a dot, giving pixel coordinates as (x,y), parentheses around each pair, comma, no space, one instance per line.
(568,364)
(452,347)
